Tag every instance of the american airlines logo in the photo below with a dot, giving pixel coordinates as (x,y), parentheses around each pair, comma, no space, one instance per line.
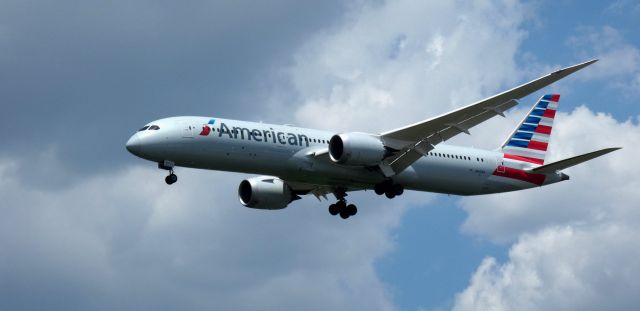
(243,133)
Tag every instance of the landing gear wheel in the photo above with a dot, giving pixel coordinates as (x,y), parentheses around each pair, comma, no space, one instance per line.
(390,194)
(171,179)
(352,209)
(341,205)
(379,189)
(398,189)
(333,209)
(344,214)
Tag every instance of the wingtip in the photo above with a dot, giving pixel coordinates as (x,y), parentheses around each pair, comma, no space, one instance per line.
(571,69)
(611,149)
(585,64)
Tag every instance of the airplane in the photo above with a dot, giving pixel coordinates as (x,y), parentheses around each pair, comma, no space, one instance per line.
(298,161)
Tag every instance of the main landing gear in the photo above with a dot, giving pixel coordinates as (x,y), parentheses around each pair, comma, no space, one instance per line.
(168,165)
(341,207)
(389,189)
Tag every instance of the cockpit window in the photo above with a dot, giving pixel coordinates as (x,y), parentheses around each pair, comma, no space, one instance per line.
(144,128)
(154,127)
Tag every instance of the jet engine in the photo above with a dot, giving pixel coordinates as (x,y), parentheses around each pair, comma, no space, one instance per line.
(265,192)
(357,149)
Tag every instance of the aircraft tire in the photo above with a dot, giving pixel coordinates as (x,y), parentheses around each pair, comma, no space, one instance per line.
(379,189)
(171,179)
(344,214)
(352,209)
(333,209)
(390,194)
(398,189)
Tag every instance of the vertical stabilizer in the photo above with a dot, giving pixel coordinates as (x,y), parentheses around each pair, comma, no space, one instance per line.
(529,141)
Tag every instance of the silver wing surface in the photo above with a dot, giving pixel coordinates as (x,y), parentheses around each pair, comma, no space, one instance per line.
(414,141)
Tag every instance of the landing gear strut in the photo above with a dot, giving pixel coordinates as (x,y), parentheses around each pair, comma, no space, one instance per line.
(341,207)
(168,165)
(389,189)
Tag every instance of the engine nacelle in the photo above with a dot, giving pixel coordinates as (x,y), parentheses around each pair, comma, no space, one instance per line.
(356,149)
(265,192)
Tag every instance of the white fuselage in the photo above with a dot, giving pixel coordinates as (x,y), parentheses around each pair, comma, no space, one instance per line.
(288,152)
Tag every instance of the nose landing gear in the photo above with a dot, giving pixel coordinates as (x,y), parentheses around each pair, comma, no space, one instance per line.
(168,165)
(171,178)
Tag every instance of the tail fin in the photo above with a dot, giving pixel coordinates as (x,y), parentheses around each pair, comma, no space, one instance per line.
(530,139)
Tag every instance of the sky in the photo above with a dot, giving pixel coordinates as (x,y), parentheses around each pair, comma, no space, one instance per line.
(86,225)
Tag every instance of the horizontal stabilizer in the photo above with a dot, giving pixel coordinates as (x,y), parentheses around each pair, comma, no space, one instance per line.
(562,164)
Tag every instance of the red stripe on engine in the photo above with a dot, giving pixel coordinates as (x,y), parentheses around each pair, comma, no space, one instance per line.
(514,173)
(543,129)
(524,159)
(537,145)
(549,113)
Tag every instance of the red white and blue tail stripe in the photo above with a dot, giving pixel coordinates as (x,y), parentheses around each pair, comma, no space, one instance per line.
(530,140)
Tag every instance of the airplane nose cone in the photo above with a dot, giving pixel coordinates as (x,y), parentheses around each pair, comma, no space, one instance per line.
(133,145)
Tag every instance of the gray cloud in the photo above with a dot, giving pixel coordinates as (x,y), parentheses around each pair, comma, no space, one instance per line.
(81,76)
(119,241)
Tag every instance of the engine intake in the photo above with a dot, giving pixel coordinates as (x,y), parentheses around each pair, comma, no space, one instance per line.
(265,192)
(358,149)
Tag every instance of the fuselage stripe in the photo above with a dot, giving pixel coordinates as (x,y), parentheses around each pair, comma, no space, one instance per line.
(523,158)
(514,173)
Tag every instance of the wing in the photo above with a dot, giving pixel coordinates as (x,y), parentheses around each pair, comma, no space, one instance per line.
(415,140)
(321,191)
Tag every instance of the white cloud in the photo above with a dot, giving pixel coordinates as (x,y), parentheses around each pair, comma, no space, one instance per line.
(497,216)
(621,7)
(619,63)
(561,268)
(407,59)
(126,240)
(577,241)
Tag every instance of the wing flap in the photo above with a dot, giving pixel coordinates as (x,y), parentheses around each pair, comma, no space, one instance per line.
(411,153)
(566,163)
